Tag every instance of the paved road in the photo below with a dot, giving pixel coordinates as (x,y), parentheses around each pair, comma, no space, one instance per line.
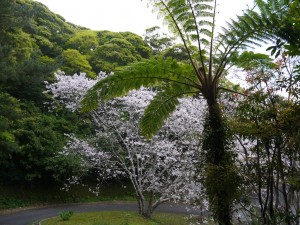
(28,217)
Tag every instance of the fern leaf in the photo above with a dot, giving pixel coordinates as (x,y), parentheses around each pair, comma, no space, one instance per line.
(147,73)
(157,112)
(161,107)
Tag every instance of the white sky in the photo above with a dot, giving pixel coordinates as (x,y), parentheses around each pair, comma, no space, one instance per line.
(125,15)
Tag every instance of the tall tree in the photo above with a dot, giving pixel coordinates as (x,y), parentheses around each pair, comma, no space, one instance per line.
(6,14)
(157,40)
(194,22)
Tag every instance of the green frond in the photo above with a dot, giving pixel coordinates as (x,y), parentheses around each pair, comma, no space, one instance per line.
(154,72)
(249,29)
(264,9)
(186,17)
(271,6)
(162,106)
(201,7)
(90,101)
(205,14)
(147,73)
(205,32)
(244,22)
(204,41)
(206,23)
(157,112)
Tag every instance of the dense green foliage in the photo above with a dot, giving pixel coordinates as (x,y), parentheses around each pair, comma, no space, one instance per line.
(30,141)
(73,62)
(284,17)
(117,49)
(34,43)
(269,119)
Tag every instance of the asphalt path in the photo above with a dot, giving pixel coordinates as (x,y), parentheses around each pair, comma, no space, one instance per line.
(33,216)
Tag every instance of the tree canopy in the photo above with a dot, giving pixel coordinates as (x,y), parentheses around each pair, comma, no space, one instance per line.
(34,43)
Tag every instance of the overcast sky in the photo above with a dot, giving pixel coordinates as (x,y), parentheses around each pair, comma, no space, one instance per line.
(125,15)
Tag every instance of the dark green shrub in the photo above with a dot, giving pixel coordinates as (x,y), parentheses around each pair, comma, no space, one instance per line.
(66,215)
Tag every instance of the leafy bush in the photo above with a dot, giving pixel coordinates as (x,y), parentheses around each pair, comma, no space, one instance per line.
(11,202)
(66,215)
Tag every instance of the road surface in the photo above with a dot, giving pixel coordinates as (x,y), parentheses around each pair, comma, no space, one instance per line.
(33,216)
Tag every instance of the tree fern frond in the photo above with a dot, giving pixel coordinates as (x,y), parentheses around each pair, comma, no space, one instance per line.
(207,23)
(204,41)
(90,101)
(187,15)
(147,73)
(244,22)
(161,107)
(156,113)
(206,32)
(264,9)
(206,14)
(201,7)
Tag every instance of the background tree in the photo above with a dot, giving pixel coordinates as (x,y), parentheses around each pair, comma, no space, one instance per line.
(285,25)
(267,148)
(33,41)
(30,142)
(10,111)
(157,40)
(117,49)
(83,41)
(74,62)
(7,17)
(141,47)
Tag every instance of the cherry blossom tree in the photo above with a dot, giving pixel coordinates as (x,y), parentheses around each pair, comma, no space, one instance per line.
(161,169)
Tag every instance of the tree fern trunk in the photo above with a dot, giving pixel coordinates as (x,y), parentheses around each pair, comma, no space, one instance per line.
(221,175)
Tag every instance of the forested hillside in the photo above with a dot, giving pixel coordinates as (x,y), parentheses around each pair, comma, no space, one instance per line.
(34,43)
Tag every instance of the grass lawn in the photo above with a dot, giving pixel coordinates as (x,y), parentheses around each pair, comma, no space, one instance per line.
(120,218)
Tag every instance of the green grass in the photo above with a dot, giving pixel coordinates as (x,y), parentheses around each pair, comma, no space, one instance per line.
(120,218)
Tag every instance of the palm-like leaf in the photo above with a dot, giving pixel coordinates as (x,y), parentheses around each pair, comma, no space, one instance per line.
(160,108)
(146,73)
(163,104)
(172,79)
(283,17)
